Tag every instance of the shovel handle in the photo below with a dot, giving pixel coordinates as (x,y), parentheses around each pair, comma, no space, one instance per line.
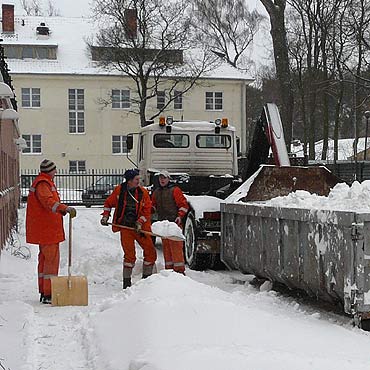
(69,247)
(174,237)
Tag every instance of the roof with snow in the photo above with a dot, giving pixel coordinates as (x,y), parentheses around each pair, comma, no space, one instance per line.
(345,148)
(68,36)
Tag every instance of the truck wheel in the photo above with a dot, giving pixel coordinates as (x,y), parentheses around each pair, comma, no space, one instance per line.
(196,261)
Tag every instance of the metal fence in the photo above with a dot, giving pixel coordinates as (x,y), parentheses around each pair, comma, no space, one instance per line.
(350,171)
(82,188)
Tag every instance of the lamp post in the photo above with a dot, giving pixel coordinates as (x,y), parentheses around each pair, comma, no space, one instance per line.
(367,116)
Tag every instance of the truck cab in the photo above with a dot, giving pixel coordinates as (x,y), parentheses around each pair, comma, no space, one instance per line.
(200,156)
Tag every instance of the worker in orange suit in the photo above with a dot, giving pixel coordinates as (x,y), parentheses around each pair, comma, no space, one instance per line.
(170,204)
(132,209)
(44,225)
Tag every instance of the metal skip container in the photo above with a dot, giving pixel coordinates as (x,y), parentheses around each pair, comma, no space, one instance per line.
(322,252)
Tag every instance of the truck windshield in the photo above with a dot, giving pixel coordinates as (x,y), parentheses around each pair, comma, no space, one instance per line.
(171,141)
(214,141)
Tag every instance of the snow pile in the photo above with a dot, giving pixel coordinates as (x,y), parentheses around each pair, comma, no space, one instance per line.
(167,228)
(341,198)
(170,321)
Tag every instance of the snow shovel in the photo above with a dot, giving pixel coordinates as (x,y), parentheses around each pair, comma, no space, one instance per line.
(170,237)
(69,290)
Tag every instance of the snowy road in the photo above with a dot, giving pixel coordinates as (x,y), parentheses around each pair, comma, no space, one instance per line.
(199,322)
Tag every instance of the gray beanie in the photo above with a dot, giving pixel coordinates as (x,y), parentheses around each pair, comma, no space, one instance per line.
(47,166)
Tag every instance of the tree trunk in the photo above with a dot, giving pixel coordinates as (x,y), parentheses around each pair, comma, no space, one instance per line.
(276,12)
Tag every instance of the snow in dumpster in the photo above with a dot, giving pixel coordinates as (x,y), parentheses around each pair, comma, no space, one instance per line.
(341,198)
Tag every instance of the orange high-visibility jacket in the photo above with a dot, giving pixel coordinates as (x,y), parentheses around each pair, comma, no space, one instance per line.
(143,207)
(44,221)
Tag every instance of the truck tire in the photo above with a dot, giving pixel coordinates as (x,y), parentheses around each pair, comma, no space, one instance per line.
(196,261)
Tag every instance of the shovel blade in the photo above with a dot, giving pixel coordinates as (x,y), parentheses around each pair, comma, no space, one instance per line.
(69,291)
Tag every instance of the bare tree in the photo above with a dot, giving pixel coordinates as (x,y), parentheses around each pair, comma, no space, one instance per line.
(152,43)
(27,6)
(228,27)
(52,10)
(33,7)
(276,11)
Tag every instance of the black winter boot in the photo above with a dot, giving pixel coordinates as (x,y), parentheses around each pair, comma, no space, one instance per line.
(147,270)
(127,272)
(46,299)
(126,283)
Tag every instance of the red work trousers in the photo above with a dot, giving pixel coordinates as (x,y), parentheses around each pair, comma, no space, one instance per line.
(48,266)
(173,255)
(128,238)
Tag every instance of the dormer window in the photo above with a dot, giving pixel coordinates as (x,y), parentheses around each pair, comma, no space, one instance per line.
(30,51)
(42,29)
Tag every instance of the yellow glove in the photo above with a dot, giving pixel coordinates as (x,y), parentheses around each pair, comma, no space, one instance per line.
(72,211)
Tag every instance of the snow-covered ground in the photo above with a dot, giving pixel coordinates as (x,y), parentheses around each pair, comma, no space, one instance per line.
(205,320)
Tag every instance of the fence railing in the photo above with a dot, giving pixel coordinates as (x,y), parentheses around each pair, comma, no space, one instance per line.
(78,188)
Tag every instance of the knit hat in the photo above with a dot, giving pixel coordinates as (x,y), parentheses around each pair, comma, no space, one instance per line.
(47,166)
(130,174)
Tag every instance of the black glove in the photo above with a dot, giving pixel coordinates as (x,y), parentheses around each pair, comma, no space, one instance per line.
(104,221)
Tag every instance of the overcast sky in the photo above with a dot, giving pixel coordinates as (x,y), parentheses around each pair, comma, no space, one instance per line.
(68,8)
(78,8)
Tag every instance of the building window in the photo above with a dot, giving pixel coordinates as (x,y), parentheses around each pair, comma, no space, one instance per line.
(31,97)
(30,51)
(77,166)
(161,99)
(119,144)
(76,106)
(177,102)
(33,144)
(214,100)
(121,99)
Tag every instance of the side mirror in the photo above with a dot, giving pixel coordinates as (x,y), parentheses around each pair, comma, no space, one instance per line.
(129,142)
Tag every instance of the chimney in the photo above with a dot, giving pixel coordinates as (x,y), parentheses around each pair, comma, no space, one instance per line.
(8,17)
(131,23)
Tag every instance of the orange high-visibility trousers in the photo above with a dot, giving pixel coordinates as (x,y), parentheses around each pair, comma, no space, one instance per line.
(128,238)
(48,266)
(173,255)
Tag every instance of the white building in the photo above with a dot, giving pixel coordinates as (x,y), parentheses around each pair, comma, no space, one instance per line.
(59,92)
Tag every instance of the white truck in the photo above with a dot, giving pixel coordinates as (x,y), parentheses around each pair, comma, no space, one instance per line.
(202,158)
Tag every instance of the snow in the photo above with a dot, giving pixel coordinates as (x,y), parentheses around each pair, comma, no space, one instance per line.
(167,228)
(205,320)
(345,149)
(341,198)
(201,203)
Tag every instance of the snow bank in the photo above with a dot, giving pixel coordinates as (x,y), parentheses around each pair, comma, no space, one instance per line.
(341,198)
(169,321)
(167,228)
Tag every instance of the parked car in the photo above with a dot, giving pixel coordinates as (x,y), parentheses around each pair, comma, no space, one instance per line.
(100,190)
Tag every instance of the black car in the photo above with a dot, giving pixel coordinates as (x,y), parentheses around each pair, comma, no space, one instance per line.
(100,190)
